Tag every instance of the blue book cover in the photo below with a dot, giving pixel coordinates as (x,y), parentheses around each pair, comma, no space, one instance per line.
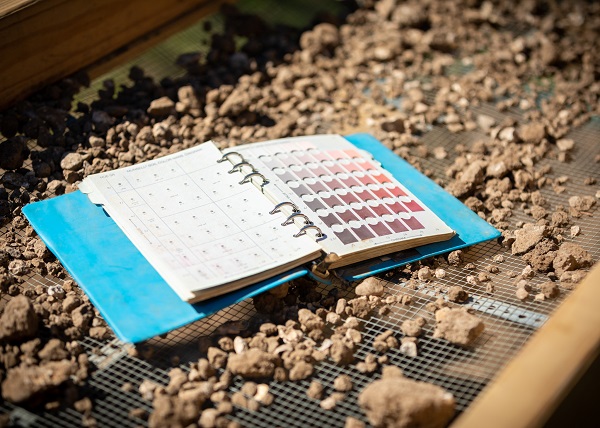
(138,304)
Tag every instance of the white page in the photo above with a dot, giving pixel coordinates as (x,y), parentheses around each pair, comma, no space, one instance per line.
(194,222)
(307,164)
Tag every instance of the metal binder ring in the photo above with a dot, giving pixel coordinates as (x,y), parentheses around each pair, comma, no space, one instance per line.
(226,156)
(292,217)
(277,207)
(238,167)
(247,178)
(309,226)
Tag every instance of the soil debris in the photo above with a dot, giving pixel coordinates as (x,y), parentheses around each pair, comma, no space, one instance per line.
(19,320)
(371,286)
(457,326)
(457,294)
(253,364)
(397,402)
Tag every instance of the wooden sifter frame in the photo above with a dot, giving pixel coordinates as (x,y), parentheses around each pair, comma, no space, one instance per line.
(534,383)
(44,41)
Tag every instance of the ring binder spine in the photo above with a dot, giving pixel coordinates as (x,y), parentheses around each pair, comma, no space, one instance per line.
(292,217)
(226,156)
(296,213)
(303,230)
(277,207)
(237,167)
(248,177)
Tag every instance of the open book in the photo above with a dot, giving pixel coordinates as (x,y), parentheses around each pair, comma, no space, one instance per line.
(211,222)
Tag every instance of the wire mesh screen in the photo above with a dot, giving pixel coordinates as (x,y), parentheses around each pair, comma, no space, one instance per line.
(465,372)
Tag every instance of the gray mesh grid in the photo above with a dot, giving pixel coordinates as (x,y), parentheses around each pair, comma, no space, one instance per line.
(464,372)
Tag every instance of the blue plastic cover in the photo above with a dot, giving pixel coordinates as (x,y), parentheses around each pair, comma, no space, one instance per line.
(138,304)
(131,296)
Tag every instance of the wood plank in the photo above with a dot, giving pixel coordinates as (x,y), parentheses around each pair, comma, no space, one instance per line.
(44,41)
(11,6)
(531,386)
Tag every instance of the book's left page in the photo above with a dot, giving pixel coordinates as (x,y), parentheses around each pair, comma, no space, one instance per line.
(204,232)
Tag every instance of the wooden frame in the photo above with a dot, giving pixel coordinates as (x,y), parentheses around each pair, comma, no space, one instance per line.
(43,41)
(532,385)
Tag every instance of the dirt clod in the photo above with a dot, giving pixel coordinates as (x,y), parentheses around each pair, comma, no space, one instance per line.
(527,238)
(455,258)
(398,402)
(457,326)
(370,287)
(19,320)
(253,364)
(24,383)
(342,383)
(550,289)
(413,327)
(315,390)
(457,294)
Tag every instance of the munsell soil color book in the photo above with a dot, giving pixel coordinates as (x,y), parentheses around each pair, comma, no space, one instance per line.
(180,237)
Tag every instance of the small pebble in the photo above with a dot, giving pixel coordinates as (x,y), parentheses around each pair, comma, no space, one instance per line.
(342,383)
(315,390)
(522,294)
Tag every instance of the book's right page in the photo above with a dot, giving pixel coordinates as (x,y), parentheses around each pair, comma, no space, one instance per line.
(360,208)
(469,227)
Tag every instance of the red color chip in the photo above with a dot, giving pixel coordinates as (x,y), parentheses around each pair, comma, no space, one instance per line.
(351,167)
(336,169)
(397,226)
(367,180)
(382,178)
(413,206)
(381,229)
(337,154)
(381,210)
(382,193)
(363,232)
(396,191)
(355,166)
(348,198)
(364,213)
(350,181)
(346,236)
(319,171)
(332,201)
(320,156)
(397,207)
(413,223)
(347,216)
(335,184)
(352,153)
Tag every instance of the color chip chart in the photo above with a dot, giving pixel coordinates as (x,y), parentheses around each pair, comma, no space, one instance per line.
(349,192)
